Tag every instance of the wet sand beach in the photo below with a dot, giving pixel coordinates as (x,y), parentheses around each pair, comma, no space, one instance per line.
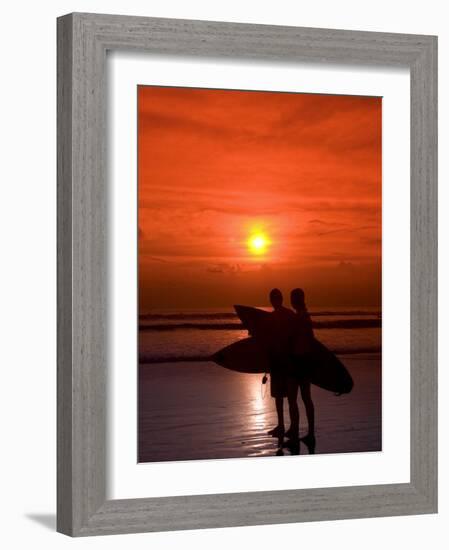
(191,411)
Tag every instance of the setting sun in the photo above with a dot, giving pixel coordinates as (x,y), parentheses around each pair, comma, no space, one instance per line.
(258,243)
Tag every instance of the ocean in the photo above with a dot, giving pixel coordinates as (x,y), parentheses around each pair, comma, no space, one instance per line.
(170,336)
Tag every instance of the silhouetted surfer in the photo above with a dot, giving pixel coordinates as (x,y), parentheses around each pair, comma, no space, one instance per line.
(282,330)
(302,347)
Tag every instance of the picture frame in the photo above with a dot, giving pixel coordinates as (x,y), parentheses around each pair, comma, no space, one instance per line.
(82,505)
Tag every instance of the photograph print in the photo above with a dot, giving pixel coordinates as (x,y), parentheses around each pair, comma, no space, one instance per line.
(259,273)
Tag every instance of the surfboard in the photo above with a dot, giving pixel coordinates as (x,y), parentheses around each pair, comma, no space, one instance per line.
(256,321)
(245,356)
(322,367)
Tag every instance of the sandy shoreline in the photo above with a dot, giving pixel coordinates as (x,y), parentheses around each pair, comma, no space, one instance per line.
(201,411)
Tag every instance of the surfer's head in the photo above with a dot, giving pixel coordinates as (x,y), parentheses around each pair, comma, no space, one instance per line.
(276,298)
(298,299)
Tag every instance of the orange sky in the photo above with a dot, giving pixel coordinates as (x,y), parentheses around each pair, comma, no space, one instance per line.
(216,166)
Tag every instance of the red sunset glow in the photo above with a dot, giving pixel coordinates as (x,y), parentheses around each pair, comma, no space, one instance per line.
(243,191)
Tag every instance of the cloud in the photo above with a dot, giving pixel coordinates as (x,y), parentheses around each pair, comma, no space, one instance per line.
(225,268)
(345,265)
(347,229)
(322,222)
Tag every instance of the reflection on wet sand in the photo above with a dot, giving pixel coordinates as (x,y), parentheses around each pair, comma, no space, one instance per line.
(200,411)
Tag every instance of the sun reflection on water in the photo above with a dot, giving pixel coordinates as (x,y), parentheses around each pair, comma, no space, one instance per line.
(260,413)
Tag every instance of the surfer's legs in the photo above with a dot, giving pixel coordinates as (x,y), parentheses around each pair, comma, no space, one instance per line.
(280,412)
(279,430)
(278,387)
(308,403)
(292,395)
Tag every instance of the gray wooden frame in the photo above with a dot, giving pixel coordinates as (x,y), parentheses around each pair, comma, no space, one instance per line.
(83,40)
